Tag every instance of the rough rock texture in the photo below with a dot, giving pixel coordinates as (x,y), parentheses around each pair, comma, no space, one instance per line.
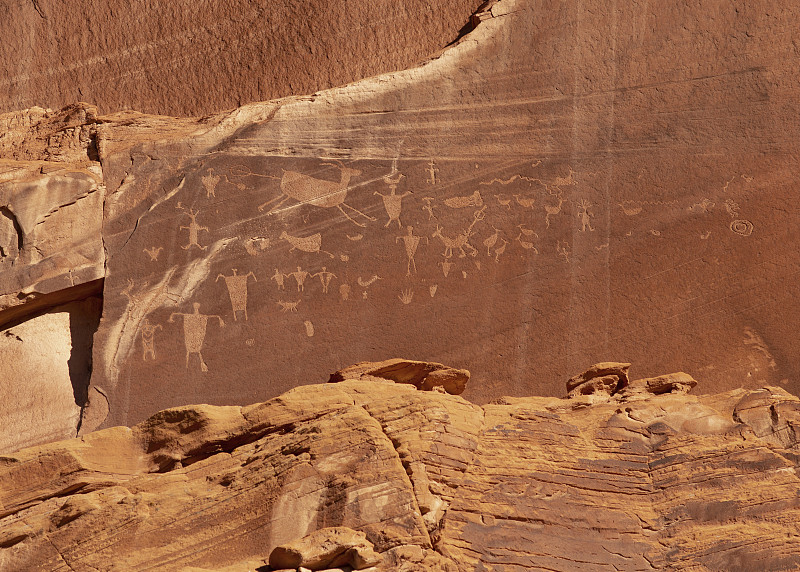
(570,182)
(186,57)
(422,375)
(640,481)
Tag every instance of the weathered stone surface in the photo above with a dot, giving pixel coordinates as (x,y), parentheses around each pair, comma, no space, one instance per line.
(667,482)
(420,374)
(543,183)
(190,58)
(324,549)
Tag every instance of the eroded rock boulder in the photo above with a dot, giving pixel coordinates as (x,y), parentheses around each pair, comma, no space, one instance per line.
(425,376)
(326,548)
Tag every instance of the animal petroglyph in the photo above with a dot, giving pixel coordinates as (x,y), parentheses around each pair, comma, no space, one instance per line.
(256,244)
(552,210)
(473,200)
(491,241)
(148,333)
(703,206)
(153,252)
(393,203)
(460,241)
(564,249)
(524,202)
(309,328)
(307,190)
(428,207)
(732,207)
(355,238)
(299,276)
(406,296)
(559,182)
(311,243)
(194,228)
(237,290)
(210,181)
(411,243)
(288,306)
(344,292)
(364,283)
(431,170)
(742,227)
(503,201)
(194,332)
(501,249)
(584,215)
(526,233)
(325,278)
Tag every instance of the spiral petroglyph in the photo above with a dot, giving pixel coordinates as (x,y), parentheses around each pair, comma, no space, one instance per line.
(742,227)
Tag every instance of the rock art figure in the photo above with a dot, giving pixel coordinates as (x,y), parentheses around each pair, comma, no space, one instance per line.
(306,244)
(552,210)
(148,333)
(364,283)
(393,203)
(460,241)
(406,296)
(491,241)
(254,245)
(503,201)
(501,249)
(278,278)
(411,243)
(309,328)
(288,306)
(194,332)
(563,249)
(428,208)
(194,228)
(344,291)
(585,216)
(318,192)
(526,233)
(299,276)
(153,252)
(446,266)
(432,170)
(473,200)
(524,202)
(325,278)
(237,290)
(210,182)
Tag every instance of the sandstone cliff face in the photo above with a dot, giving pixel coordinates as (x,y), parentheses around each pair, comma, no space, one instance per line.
(631,481)
(565,184)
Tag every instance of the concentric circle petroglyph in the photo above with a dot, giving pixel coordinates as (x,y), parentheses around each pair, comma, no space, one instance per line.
(742,227)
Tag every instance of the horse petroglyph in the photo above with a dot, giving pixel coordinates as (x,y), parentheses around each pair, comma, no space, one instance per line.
(237,290)
(194,332)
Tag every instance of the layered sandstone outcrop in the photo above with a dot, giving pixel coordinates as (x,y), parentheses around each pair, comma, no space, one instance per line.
(567,183)
(372,474)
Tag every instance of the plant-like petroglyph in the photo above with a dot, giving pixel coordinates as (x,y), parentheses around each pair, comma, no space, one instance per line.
(411,243)
(584,215)
(210,181)
(564,249)
(194,228)
(299,276)
(526,233)
(288,306)
(393,203)
(406,296)
(148,334)
(524,202)
(311,243)
(194,332)
(428,207)
(309,328)
(308,190)
(503,201)
(153,252)
(344,292)
(461,240)
(703,206)
(325,278)
(237,291)
(473,200)
(256,244)
(742,227)
(364,283)
(431,170)
(553,210)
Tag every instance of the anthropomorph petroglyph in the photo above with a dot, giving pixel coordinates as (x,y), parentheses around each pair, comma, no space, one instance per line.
(428,208)
(318,192)
(299,276)
(153,252)
(194,228)
(288,306)
(194,332)
(306,244)
(564,249)
(431,170)
(148,333)
(584,215)
(461,240)
(237,290)
(210,183)
(325,278)
(278,278)
(393,203)
(411,243)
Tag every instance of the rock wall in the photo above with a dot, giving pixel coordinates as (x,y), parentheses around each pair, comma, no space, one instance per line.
(647,478)
(562,185)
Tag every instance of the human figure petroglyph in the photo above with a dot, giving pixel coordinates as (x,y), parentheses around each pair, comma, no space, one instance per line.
(311,243)
(318,192)
(148,333)
(432,170)
(153,252)
(194,332)
(299,276)
(325,278)
(210,182)
(194,228)
(411,243)
(564,249)
(393,203)
(288,306)
(584,215)
(428,207)
(460,241)
(237,290)
(278,278)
